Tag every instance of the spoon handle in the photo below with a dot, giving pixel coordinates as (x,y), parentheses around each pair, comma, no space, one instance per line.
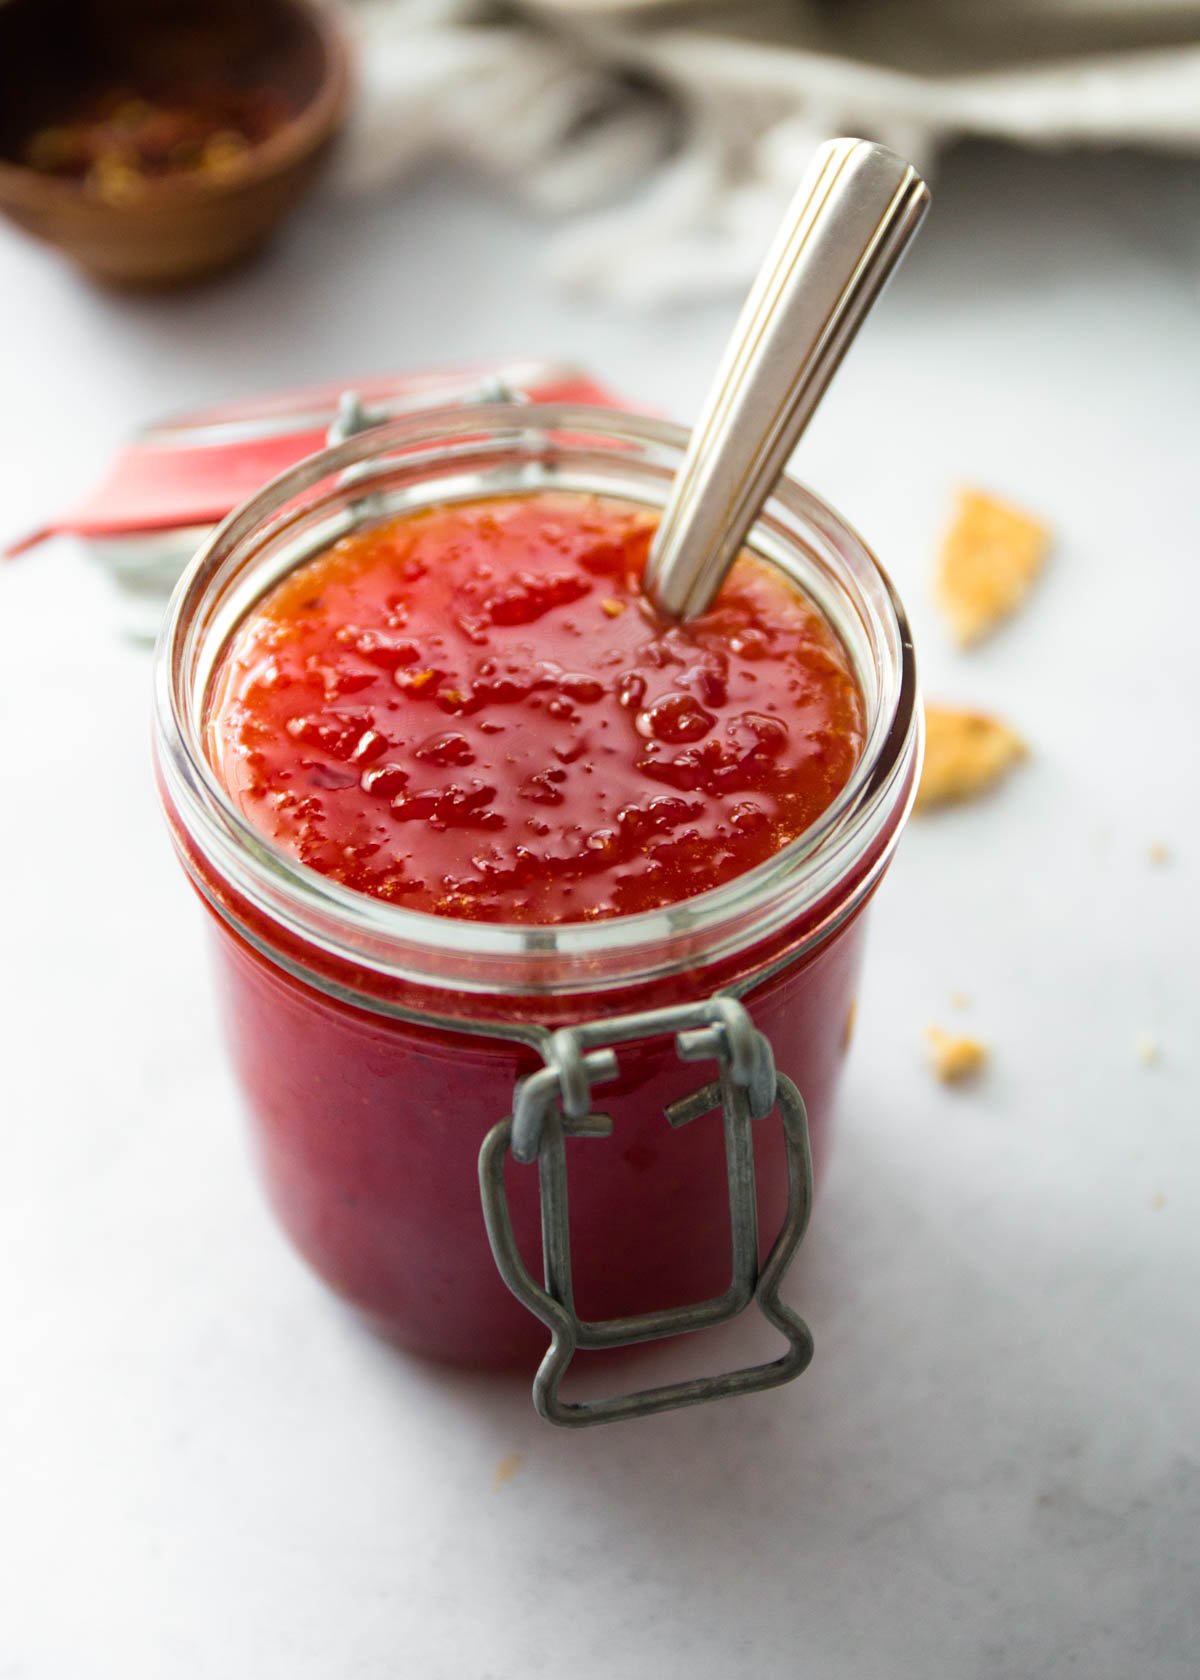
(850,222)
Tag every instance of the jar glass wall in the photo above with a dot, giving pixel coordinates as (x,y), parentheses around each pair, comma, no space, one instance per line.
(376,1046)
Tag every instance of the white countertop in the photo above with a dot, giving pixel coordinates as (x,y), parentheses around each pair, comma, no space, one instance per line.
(991,1470)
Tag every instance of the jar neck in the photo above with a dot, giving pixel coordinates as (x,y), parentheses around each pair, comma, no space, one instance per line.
(375,952)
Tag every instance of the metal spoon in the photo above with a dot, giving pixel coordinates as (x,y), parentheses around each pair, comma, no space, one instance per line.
(848,226)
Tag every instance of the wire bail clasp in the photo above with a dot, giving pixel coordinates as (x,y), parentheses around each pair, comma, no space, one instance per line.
(354,416)
(555,1103)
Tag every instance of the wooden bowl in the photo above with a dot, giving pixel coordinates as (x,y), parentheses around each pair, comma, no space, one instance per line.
(53,53)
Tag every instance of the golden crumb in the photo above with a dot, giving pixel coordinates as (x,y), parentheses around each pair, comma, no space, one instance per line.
(848,1029)
(991,555)
(612,607)
(959,1000)
(507,1468)
(1148,1049)
(965,752)
(1158,853)
(955,1059)
(1158,1202)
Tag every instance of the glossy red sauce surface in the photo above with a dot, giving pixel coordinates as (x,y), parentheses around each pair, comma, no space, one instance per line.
(473,711)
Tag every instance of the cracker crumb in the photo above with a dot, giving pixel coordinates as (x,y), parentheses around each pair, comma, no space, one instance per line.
(507,1468)
(1148,1049)
(612,607)
(1158,853)
(965,752)
(990,557)
(959,1000)
(955,1059)
(848,1029)
(1158,1201)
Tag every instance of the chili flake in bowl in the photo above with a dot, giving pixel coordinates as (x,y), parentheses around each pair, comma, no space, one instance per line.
(117,143)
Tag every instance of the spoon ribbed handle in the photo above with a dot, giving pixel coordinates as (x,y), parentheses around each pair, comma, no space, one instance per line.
(850,222)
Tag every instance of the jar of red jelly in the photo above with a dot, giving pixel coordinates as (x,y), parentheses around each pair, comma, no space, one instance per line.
(423,1089)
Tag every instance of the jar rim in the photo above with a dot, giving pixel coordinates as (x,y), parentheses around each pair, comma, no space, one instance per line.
(537,447)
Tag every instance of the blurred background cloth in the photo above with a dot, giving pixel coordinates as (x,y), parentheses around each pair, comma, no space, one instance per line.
(671,135)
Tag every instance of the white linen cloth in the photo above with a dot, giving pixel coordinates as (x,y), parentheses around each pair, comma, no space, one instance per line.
(690,123)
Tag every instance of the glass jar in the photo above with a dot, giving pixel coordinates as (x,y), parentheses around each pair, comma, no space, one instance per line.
(379,1049)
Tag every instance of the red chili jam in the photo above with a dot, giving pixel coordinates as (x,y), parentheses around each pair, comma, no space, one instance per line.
(474,711)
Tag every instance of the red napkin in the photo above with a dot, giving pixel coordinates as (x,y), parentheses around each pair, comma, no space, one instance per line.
(195,468)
